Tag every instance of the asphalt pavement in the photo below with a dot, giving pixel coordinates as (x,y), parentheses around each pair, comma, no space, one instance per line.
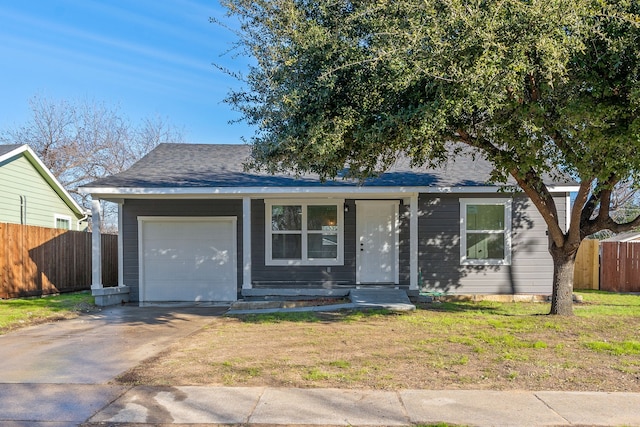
(59,374)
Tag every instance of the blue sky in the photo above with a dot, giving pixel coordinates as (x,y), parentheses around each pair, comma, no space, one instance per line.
(146,57)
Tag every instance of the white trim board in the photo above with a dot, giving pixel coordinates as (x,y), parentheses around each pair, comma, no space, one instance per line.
(261,192)
(506,203)
(304,261)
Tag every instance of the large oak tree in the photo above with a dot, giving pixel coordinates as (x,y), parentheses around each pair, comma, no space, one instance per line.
(537,87)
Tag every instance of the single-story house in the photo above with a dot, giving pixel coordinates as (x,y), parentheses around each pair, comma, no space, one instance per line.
(31,195)
(194,225)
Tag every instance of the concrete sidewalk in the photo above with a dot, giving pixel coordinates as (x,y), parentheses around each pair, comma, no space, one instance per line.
(278,406)
(339,407)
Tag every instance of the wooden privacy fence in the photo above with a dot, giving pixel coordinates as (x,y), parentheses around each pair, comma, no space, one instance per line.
(40,261)
(620,266)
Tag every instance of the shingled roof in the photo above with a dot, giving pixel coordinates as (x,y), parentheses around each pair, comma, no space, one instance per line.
(7,148)
(222,165)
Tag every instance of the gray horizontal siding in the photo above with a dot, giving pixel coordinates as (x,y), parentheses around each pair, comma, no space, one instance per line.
(301,276)
(531,269)
(132,209)
(438,247)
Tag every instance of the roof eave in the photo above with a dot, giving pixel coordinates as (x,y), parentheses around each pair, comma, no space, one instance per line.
(184,192)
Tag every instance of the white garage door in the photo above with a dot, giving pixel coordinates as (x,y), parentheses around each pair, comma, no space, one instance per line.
(187,259)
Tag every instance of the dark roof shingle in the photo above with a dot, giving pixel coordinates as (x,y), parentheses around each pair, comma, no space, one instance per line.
(222,165)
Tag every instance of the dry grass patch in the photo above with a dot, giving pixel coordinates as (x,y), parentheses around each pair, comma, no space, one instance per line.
(441,346)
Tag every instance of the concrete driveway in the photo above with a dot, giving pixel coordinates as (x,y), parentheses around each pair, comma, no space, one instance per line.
(96,347)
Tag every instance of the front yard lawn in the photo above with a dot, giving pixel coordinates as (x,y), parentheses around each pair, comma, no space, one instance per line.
(486,345)
(20,312)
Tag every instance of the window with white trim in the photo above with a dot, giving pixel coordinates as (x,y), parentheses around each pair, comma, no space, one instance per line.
(485,231)
(62,221)
(304,233)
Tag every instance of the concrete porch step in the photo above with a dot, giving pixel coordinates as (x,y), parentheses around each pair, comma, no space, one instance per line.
(377,298)
(389,299)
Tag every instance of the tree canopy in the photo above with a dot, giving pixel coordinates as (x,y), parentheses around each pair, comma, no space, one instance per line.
(537,87)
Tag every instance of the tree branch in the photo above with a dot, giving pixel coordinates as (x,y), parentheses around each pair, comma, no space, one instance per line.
(580,205)
(539,194)
(530,182)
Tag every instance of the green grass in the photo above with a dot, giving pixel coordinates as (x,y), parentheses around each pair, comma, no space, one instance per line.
(607,304)
(316,374)
(20,312)
(343,364)
(617,348)
(508,317)
(313,316)
(302,316)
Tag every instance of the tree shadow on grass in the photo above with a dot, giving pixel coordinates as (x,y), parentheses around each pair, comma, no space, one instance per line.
(485,307)
(453,307)
(316,316)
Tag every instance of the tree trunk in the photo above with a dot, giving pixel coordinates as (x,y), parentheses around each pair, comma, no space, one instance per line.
(564,260)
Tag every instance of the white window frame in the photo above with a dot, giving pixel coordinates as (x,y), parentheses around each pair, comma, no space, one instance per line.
(56,217)
(507,205)
(338,203)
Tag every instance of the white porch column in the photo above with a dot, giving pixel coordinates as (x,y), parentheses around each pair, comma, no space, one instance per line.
(246,243)
(568,212)
(96,241)
(120,246)
(413,244)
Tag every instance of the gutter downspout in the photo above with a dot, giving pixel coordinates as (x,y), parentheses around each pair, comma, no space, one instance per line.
(23,209)
(84,218)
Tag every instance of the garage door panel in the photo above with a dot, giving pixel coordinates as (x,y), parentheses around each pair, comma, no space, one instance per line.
(189,260)
(175,230)
(171,290)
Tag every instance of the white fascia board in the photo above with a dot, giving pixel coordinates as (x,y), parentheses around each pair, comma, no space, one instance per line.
(13,153)
(184,192)
(564,189)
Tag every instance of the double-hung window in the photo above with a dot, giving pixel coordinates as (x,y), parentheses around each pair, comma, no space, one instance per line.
(62,221)
(485,231)
(304,233)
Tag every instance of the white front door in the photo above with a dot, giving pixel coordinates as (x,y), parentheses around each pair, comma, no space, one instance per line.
(377,241)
